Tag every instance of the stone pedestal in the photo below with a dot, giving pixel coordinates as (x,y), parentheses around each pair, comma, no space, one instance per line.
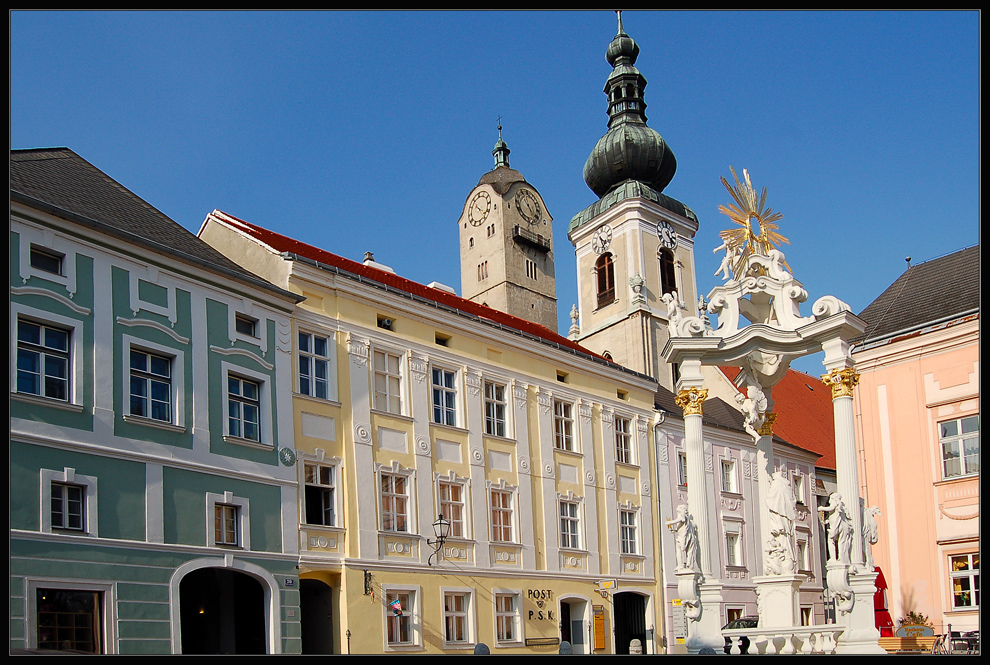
(706,631)
(778,600)
(860,635)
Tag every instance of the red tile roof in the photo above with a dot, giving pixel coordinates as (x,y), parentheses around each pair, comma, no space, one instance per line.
(281,243)
(805,417)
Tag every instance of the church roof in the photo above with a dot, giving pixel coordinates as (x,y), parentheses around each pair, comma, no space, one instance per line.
(501,178)
(929,293)
(295,249)
(62,183)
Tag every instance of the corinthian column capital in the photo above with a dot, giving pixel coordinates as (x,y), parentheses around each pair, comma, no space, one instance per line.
(691,399)
(842,382)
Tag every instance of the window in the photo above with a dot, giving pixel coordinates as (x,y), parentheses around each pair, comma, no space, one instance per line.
(531,269)
(314,365)
(388,382)
(668,283)
(452,506)
(507,617)
(729,476)
(482,271)
(682,469)
(501,516)
(151,386)
(563,426)
(68,506)
(733,552)
(803,561)
(398,622)
(69,620)
(806,616)
(42,360)
(46,260)
(627,532)
(960,441)
(799,488)
(320,494)
(243,408)
(395,502)
(965,572)
(623,442)
(245,325)
(605,273)
(456,627)
(444,397)
(494,409)
(225,525)
(569,525)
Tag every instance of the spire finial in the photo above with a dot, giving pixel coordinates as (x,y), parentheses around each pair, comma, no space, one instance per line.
(501,150)
(618,12)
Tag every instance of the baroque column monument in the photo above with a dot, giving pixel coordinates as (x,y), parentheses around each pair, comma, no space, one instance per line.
(760,329)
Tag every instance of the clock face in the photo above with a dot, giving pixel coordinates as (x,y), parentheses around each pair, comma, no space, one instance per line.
(666,234)
(479,208)
(529,208)
(601,240)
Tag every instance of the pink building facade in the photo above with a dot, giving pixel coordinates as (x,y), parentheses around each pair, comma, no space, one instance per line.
(918,412)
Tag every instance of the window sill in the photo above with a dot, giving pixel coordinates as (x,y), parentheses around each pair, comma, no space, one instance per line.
(318,400)
(322,527)
(151,422)
(503,439)
(632,466)
(602,306)
(451,428)
(397,416)
(571,453)
(403,647)
(46,401)
(458,646)
(248,443)
(956,479)
(632,555)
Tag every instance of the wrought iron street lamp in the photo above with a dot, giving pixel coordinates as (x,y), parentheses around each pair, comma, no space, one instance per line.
(441,528)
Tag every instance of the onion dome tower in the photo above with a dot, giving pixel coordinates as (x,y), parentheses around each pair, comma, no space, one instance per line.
(635,245)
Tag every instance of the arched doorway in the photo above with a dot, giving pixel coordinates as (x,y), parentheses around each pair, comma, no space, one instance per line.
(630,620)
(575,618)
(316,616)
(222,610)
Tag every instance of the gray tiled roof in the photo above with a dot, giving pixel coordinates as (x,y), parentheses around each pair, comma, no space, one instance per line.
(63,183)
(927,293)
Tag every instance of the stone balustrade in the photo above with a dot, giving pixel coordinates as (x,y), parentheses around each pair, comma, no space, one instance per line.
(796,640)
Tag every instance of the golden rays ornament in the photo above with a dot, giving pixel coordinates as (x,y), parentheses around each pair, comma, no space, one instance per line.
(749,211)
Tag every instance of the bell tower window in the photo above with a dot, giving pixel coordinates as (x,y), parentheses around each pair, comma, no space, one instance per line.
(605,271)
(668,283)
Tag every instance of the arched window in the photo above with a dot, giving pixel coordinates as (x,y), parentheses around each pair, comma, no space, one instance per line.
(605,270)
(668,282)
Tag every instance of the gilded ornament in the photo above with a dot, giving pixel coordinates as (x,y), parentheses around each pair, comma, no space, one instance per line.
(742,243)
(766,429)
(691,399)
(842,382)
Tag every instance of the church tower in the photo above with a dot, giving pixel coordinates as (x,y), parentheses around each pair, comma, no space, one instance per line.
(635,245)
(506,237)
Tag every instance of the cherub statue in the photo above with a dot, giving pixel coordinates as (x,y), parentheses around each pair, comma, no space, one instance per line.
(728,261)
(753,406)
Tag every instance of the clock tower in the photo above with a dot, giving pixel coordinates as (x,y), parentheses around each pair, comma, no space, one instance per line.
(635,245)
(506,236)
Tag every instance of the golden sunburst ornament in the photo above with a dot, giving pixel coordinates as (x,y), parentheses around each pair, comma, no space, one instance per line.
(749,211)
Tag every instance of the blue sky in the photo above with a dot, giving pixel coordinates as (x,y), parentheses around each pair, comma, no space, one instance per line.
(365,131)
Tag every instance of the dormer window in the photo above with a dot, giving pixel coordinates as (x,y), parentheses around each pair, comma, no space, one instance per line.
(245,325)
(46,260)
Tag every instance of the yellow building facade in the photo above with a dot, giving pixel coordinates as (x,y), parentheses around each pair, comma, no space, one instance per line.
(411,403)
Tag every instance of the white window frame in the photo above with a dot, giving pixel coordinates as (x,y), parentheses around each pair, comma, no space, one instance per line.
(497,528)
(321,489)
(406,498)
(451,508)
(242,507)
(629,530)
(957,442)
(108,617)
(59,257)
(462,618)
(314,360)
(496,410)
(569,523)
(624,448)
(682,475)
(729,480)
(803,551)
(969,574)
(176,359)
(446,411)
(242,320)
(799,487)
(410,616)
(71,355)
(90,510)
(563,425)
(511,618)
(266,435)
(734,553)
(389,377)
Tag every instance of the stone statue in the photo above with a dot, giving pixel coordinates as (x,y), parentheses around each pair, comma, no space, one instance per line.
(728,261)
(753,406)
(687,540)
(840,529)
(871,534)
(783,512)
